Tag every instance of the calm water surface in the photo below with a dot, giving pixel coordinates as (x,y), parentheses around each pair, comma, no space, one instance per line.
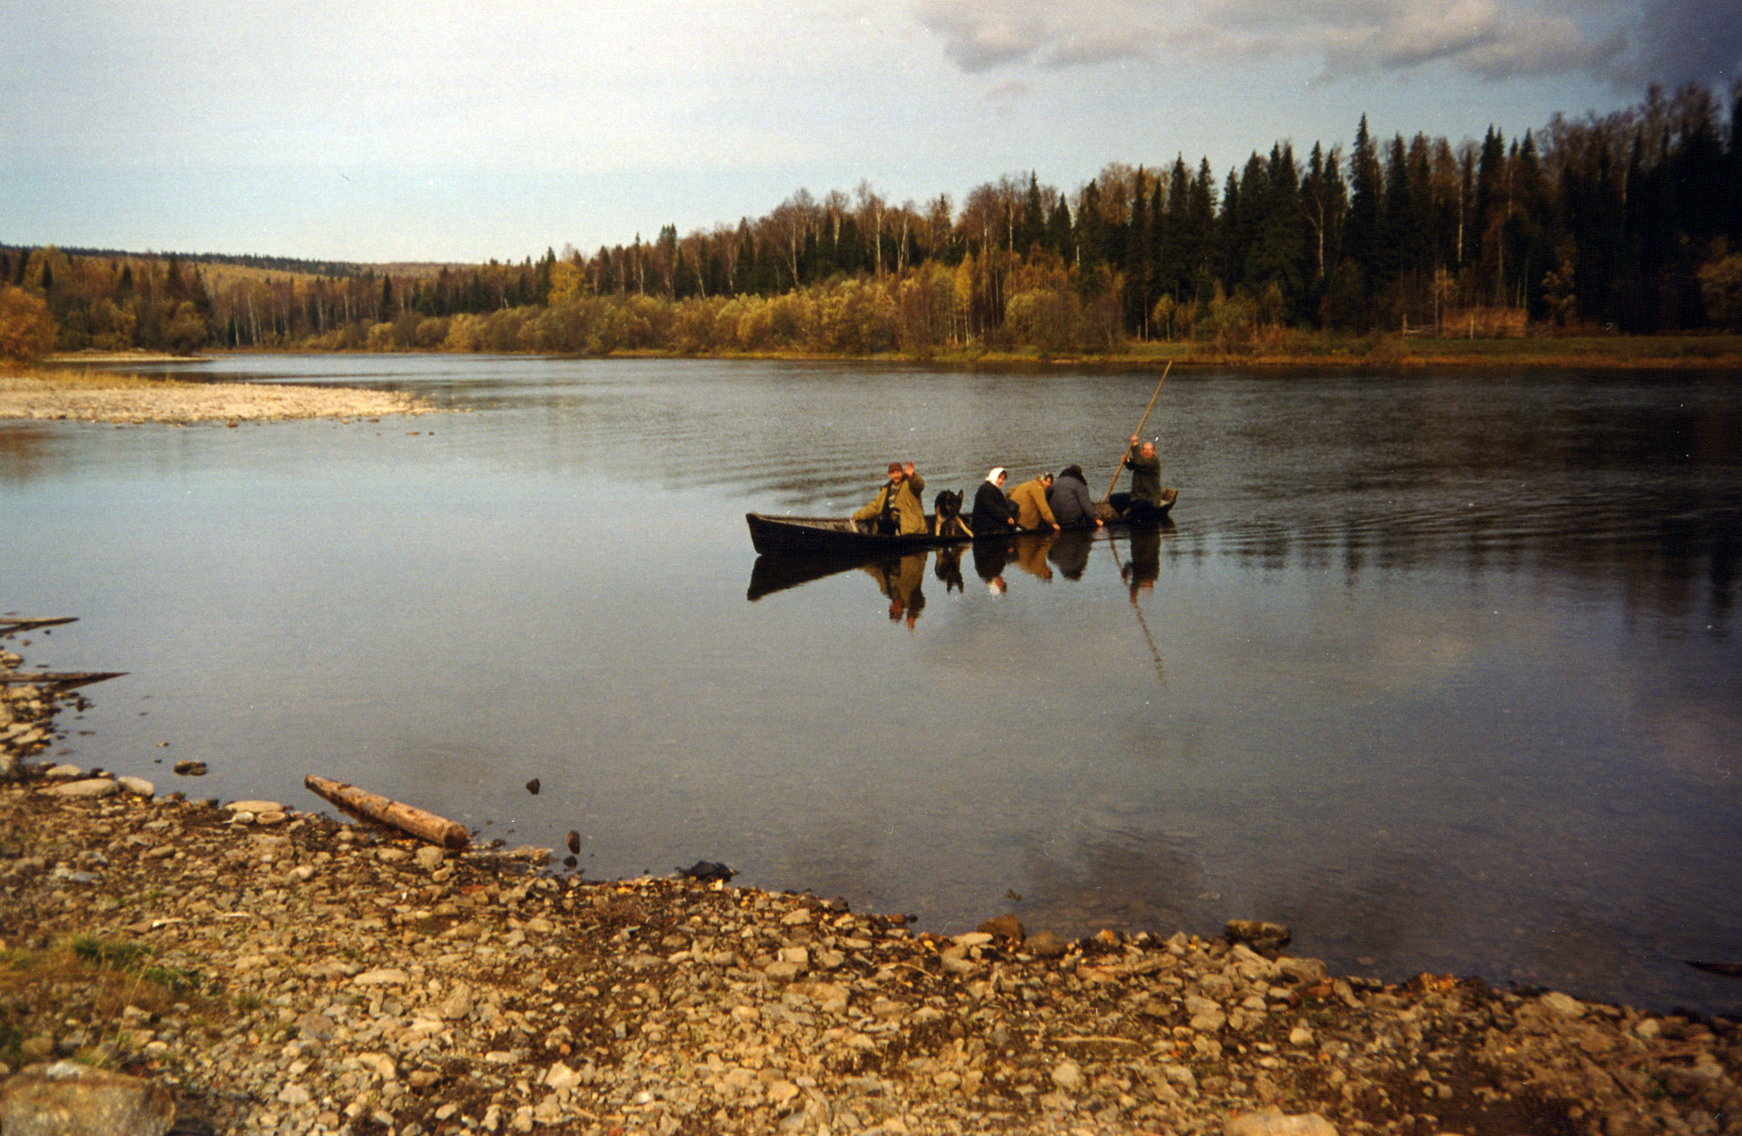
(1440,669)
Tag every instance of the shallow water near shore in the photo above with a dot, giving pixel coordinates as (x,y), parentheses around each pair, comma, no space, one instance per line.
(1440,669)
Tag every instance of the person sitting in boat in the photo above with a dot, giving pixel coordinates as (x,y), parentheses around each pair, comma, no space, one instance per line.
(1071,505)
(1144,502)
(897,509)
(993,511)
(1032,510)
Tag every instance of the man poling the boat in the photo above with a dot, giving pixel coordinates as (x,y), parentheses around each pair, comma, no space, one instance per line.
(897,509)
(1148,500)
(1148,497)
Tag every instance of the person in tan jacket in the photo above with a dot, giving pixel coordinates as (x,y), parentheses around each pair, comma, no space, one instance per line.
(1032,510)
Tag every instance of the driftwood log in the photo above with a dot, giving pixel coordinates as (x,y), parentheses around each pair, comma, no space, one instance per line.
(10,624)
(65,680)
(407,818)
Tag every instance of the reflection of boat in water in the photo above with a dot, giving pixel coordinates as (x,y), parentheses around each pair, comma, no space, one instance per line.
(1033,552)
(774,535)
(776,573)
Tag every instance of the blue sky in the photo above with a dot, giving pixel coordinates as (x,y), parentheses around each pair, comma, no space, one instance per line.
(449,131)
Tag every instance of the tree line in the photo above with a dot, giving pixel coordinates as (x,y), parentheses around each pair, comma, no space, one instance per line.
(1630,221)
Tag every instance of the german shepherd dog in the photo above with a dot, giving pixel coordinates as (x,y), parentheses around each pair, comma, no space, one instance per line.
(948,519)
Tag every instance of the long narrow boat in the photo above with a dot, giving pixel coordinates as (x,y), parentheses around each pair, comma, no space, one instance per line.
(777,535)
(788,535)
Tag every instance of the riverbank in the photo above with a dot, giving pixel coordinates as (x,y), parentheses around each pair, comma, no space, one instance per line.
(119,397)
(1279,350)
(268,970)
(1411,352)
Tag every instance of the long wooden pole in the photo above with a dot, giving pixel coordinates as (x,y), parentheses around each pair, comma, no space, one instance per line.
(407,818)
(1119,468)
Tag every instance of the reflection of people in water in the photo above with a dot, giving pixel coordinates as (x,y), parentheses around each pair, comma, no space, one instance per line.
(1031,557)
(949,569)
(1145,563)
(1071,505)
(897,508)
(900,580)
(993,511)
(990,557)
(1071,551)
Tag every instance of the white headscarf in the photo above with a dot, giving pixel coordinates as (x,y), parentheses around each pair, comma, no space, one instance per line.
(997,472)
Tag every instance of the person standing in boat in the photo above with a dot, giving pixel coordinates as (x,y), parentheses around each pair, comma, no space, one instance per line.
(1071,506)
(1032,509)
(897,509)
(1144,501)
(993,511)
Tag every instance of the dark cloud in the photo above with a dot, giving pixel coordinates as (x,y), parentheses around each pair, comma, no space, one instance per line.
(1681,41)
(1627,42)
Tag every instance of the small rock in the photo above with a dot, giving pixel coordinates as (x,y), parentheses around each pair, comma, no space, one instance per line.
(1004,927)
(1257,934)
(138,786)
(1045,944)
(1563,1004)
(707,870)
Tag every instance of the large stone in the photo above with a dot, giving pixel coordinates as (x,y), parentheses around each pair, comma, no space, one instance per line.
(1273,1122)
(89,787)
(67,1099)
(255,807)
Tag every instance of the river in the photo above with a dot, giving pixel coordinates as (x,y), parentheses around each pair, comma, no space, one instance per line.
(1440,669)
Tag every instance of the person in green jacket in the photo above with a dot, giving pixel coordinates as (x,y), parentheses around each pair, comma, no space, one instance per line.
(897,508)
(1147,497)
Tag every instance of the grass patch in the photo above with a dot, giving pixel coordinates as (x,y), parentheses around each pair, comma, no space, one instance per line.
(85,979)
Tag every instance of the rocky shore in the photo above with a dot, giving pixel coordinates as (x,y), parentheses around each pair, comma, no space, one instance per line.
(245,967)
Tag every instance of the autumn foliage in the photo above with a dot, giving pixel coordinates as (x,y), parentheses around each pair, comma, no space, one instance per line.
(1630,222)
(27,330)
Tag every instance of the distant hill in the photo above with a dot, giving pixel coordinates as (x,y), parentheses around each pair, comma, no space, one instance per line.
(286,264)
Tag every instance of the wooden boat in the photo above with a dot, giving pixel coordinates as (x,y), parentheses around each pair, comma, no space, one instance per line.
(841,536)
(786,535)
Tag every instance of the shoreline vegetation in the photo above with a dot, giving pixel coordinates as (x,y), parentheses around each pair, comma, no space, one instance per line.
(1623,223)
(244,966)
(1297,349)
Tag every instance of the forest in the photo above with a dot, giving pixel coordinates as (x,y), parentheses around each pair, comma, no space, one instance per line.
(1627,223)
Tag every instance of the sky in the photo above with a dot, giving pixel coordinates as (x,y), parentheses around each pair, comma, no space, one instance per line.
(439,130)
